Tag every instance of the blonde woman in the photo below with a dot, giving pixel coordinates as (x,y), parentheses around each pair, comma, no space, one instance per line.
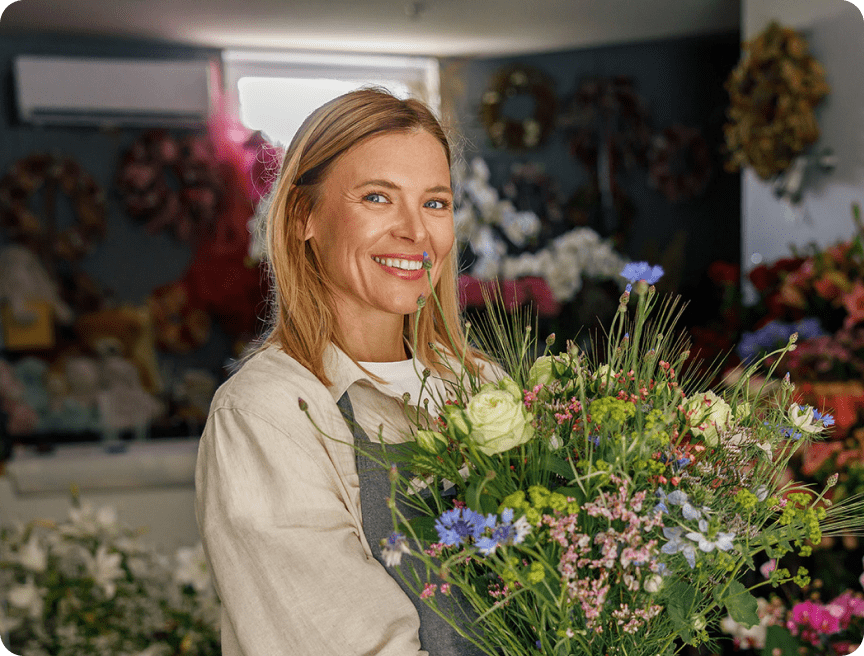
(291,530)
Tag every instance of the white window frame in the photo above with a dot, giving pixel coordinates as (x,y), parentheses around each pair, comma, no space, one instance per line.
(421,75)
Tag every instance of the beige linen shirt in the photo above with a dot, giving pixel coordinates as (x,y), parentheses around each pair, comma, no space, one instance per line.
(278,510)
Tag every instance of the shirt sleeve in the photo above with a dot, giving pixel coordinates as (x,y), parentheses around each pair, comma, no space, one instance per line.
(285,551)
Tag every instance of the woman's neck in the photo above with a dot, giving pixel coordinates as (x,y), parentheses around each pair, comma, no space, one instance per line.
(382,342)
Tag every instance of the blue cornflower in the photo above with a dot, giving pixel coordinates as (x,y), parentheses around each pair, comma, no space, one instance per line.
(826,419)
(457,525)
(677,543)
(681,463)
(636,271)
(788,431)
(507,532)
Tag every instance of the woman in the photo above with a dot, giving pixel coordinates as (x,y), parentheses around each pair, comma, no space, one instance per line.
(362,198)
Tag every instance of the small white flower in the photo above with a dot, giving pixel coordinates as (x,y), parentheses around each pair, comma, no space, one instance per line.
(192,568)
(392,549)
(27,597)
(803,418)
(653,584)
(105,569)
(32,556)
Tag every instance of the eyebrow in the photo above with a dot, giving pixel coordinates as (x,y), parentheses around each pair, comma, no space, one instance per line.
(390,185)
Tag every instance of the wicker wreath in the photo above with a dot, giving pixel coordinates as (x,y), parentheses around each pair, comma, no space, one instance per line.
(679,163)
(52,174)
(773,91)
(170,183)
(607,110)
(512,133)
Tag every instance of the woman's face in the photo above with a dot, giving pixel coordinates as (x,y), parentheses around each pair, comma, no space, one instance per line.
(383,204)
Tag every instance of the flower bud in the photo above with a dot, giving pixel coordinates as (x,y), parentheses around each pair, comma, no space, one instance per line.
(303,405)
(832,480)
(550,340)
(421,301)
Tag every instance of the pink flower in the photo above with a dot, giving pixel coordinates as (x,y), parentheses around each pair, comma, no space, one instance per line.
(847,606)
(428,590)
(813,620)
(768,567)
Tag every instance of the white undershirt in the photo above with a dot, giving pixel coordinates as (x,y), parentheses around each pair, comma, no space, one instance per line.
(403,377)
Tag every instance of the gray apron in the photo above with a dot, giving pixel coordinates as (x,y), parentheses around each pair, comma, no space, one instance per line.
(436,636)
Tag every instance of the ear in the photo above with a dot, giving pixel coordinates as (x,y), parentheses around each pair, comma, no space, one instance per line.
(306,230)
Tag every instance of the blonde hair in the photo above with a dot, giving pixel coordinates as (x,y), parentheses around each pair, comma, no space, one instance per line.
(302,311)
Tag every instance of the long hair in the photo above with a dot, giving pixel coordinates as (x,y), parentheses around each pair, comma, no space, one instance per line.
(302,318)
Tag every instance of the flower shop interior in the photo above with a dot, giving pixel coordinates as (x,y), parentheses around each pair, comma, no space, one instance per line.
(720,139)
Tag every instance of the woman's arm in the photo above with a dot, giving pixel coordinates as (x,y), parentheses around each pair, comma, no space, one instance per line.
(284,548)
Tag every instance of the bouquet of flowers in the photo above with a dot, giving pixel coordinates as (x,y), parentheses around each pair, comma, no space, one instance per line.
(89,586)
(604,502)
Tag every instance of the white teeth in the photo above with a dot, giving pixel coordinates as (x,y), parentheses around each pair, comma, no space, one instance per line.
(407,265)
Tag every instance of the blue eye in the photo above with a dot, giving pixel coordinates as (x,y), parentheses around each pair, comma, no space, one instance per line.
(375,198)
(436,204)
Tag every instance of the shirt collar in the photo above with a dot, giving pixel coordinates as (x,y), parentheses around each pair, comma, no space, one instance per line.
(344,372)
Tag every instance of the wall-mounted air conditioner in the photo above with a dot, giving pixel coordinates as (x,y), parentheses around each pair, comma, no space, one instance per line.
(111,92)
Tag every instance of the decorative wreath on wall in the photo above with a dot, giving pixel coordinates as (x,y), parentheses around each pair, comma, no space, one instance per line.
(607,110)
(515,133)
(51,175)
(171,183)
(679,162)
(773,91)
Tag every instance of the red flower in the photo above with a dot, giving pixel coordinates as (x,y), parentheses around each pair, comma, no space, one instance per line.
(854,304)
(724,273)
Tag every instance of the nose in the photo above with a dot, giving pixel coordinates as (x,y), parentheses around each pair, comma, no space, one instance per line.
(410,225)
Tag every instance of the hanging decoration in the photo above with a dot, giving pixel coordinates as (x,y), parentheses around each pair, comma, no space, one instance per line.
(679,163)
(773,92)
(519,133)
(171,183)
(49,175)
(607,126)
(607,113)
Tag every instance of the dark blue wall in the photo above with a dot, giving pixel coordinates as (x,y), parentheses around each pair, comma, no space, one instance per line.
(681,81)
(129,262)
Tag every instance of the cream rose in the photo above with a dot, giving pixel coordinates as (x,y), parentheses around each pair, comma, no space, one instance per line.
(542,372)
(499,420)
(708,415)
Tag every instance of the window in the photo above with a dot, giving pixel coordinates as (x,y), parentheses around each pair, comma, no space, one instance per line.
(274,92)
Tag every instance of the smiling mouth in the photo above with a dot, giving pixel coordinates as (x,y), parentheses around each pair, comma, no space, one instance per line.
(396,263)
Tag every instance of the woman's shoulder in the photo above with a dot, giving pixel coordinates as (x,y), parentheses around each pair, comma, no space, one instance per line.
(268,384)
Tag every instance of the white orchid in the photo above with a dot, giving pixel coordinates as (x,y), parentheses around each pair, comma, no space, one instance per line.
(105,569)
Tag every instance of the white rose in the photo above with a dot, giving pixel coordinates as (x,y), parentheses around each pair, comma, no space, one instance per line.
(542,372)
(708,415)
(499,420)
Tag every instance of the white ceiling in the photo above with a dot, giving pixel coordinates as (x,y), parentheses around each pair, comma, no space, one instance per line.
(421,27)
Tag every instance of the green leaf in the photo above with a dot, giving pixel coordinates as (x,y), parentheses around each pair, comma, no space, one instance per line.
(776,637)
(423,527)
(561,467)
(679,603)
(739,602)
